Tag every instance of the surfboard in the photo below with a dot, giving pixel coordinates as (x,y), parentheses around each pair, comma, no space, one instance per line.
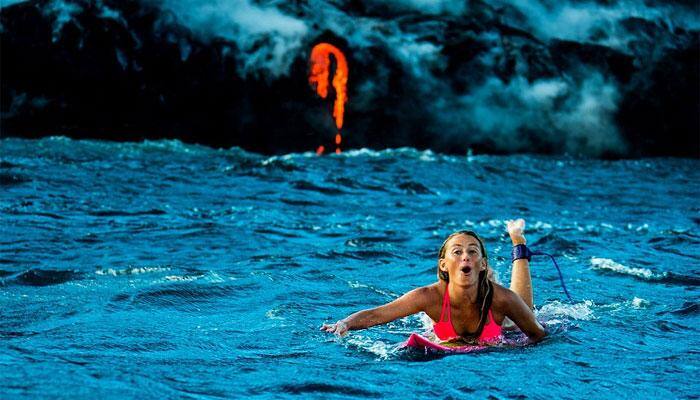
(418,342)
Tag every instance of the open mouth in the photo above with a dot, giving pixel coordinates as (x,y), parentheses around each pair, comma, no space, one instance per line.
(467,269)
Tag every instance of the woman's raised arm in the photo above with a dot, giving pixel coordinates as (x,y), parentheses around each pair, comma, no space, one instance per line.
(520,280)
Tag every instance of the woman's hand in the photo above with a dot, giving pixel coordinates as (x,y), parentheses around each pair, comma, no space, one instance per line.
(340,328)
(515,230)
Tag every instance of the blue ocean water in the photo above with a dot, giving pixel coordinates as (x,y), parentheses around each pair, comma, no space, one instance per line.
(165,270)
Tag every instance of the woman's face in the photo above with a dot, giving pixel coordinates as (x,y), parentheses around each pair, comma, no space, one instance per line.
(463,260)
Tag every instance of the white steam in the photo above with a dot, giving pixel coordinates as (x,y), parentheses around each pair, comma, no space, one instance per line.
(269,39)
(428,7)
(594,22)
(576,116)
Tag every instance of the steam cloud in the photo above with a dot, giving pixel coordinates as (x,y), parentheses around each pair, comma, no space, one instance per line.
(269,39)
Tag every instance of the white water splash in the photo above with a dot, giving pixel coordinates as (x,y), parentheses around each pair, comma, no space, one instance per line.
(177,278)
(130,271)
(376,347)
(209,276)
(274,314)
(639,303)
(610,265)
(426,325)
(556,311)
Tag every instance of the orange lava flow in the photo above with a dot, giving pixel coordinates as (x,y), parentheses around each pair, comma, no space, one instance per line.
(318,77)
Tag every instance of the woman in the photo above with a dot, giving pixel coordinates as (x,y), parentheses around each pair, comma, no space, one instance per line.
(464,304)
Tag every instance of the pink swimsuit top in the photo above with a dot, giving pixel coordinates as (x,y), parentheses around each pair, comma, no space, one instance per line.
(445,331)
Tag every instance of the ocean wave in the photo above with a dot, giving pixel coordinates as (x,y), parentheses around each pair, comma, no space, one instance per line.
(122,213)
(305,185)
(606,264)
(667,327)
(356,285)
(182,278)
(102,153)
(645,274)
(636,303)
(37,213)
(235,158)
(267,232)
(374,241)
(687,309)
(187,294)
(379,255)
(557,243)
(412,187)
(44,277)
(130,271)
(356,184)
(388,153)
(209,276)
(301,203)
(318,388)
(8,165)
(410,152)
(7,179)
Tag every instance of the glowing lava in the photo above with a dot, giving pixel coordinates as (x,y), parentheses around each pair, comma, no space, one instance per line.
(318,79)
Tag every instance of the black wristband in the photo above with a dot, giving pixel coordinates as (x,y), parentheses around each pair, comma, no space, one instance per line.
(521,251)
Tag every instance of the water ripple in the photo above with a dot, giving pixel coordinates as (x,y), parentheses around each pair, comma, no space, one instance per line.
(42,277)
(124,213)
(304,185)
(411,187)
(316,388)
(13,179)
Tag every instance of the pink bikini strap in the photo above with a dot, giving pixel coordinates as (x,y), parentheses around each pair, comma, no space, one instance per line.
(446,306)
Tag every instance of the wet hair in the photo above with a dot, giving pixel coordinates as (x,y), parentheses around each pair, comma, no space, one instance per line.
(485,288)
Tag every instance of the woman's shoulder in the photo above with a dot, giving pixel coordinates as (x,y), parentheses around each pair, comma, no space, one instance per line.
(428,290)
(427,293)
(502,296)
(428,298)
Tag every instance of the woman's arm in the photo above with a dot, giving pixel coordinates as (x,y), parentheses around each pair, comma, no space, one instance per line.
(410,303)
(519,312)
(520,280)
